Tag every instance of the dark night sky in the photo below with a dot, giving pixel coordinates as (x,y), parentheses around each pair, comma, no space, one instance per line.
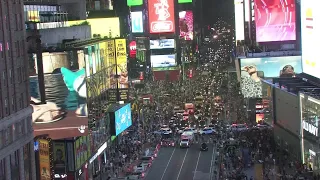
(213,9)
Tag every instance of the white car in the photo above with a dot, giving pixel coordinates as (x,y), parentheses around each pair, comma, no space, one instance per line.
(207,130)
(185,143)
(239,127)
(190,129)
(166,131)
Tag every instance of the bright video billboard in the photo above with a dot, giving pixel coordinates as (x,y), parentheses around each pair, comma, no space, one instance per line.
(109,27)
(163,60)
(186,25)
(121,58)
(65,113)
(162,44)
(123,119)
(161,16)
(82,151)
(239,19)
(137,22)
(184,1)
(310,21)
(275,20)
(134,2)
(252,69)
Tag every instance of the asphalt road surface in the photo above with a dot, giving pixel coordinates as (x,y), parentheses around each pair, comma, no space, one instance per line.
(184,164)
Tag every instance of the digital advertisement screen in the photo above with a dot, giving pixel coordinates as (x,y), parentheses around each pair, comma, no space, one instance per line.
(163,60)
(310,27)
(186,25)
(239,19)
(109,27)
(121,56)
(65,113)
(161,16)
(82,150)
(269,67)
(133,49)
(137,22)
(162,44)
(134,2)
(275,20)
(184,1)
(123,119)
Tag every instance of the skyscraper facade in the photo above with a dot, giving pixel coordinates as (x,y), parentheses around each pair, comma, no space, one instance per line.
(17,157)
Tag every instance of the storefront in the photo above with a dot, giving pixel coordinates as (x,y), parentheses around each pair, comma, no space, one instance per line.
(310,112)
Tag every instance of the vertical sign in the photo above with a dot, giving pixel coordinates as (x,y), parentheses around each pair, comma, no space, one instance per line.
(134,2)
(59,155)
(161,16)
(44,160)
(70,154)
(239,19)
(137,22)
(121,55)
(111,62)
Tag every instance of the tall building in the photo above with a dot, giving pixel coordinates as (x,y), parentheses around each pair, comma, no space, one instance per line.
(17,159)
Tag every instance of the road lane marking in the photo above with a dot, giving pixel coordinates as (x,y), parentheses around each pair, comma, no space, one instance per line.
(184,158)
(165,170)
(195,170)
(212,161)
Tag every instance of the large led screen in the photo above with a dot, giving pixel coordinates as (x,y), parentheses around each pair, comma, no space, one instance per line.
(134,2)
(252,69)
(239,19)
(163,60)
(186,25)
(65,113)
(161,16)
(137,22)
(121,57)
(162,44)
(270,67)
(310,28)
(123,119)
(275,20)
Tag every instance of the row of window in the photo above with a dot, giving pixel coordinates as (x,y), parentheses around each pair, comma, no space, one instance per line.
(15,131)
(13,104)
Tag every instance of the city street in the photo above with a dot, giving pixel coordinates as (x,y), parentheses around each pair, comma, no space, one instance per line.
(184,164)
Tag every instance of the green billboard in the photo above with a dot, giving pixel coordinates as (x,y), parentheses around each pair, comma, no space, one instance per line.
(184,1)
(135,2)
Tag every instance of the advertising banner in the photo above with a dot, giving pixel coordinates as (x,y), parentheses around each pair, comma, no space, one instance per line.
(239,19)
(121,55)
(184,1)
(82,151)
(163,60)
(70,156)
(161,16)
(123,119)
(186,25)
(162,44)
(44,160)
(65,111)
(133,49)
(275,20)
(59,155)
(112,95)
(105,27)
(267,102)
(141,56)
(134,2)
(309,116)
(310,21)
(137,22)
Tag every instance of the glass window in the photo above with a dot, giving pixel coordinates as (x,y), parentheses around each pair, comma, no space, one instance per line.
(2,170)
(27,161)
(14,163)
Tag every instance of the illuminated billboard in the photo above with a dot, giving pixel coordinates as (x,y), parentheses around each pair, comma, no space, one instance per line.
(275,20)
(163,60)
(120,118)
(137,22)
(239,19)
(134,2)
(82,151)
(162,44)
(65,113)
(161,16)
(270,67)
(133,49)
(105,27)
(184,1)
(121,60)
(252,69)
(186,25)
(310,18)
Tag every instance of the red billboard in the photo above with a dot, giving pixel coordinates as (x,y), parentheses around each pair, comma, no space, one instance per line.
(161,16)
(275,20)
